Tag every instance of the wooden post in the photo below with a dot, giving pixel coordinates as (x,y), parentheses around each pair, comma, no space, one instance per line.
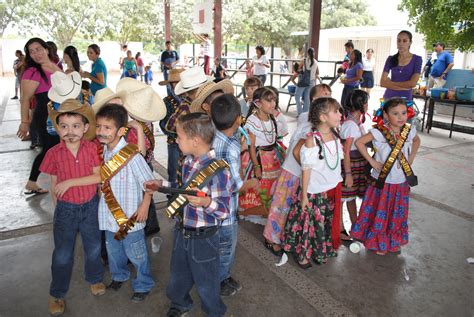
(272,56)
(167,20)
(217,28)
(315,25)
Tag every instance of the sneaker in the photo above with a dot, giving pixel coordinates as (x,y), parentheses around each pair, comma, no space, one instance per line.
(234,284)
(14,98)
(226,289)
(139,297)
(115,285)
(56,306)
(175,312)
(98,289)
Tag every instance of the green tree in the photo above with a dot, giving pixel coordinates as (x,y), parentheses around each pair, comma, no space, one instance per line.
(344,13)
(450,21)
(11,12)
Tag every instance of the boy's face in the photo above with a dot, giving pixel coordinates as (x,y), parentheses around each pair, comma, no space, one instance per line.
(107,131)
(186,144)
(71,128)
(323,92)
(249,90)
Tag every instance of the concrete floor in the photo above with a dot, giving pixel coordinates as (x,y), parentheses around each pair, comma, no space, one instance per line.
(430,278)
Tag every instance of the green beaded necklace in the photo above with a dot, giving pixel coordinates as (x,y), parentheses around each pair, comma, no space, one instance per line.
(332,168)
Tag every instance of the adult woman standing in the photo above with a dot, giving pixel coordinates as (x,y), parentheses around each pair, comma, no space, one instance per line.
(260,64)
(71,59)
(17,67)
(353,76)
(130,66)
(98,74)
(405,69)
(140,65)
(308,64)
(368,74)
(35,83)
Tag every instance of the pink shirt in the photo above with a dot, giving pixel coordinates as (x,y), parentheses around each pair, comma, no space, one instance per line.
(34,75)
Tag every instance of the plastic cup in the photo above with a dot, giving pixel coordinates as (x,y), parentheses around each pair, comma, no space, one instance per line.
(354,247)
(156,244)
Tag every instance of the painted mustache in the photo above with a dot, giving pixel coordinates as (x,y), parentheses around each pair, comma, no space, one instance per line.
(100,136)
(71,136)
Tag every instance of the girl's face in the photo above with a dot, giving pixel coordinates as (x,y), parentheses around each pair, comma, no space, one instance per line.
(352,56)
(267,105)
(129,54)
(396,116)
(369,54)
(38,53)
(331,118)
(91,54)
(258,52)
(67,59)
(403,42)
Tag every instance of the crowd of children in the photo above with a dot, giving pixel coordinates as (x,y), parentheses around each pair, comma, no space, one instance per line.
(226,161)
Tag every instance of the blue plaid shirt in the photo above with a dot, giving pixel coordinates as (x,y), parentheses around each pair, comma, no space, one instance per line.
(127,186)
(229,149)
(219,189)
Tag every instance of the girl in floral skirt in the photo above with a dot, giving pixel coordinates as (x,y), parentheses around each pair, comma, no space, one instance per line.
(383,218)
(309,225)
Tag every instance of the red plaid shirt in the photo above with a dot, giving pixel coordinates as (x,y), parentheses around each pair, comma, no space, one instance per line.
(59,161)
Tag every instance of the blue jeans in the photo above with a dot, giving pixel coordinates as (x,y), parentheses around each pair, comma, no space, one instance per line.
(68,220)
(263,78)
(133,248)
(173,159)
(195,261)
(302,92)
(227,244)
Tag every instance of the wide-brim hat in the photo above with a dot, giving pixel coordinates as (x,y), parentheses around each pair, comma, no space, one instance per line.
(103,96)
(128,84)
(64,86)
(173,76)
(74,106)
(144,105)
(191,78)
(207,89)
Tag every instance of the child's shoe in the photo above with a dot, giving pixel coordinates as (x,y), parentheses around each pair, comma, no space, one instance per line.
(56,306)
(139,297)
(98,289)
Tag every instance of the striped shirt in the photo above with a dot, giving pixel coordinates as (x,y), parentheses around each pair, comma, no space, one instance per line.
(219,189)
(229,149)
(60,162)
(127,186)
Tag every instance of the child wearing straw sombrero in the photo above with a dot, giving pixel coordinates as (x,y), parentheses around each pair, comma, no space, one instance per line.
(76,201)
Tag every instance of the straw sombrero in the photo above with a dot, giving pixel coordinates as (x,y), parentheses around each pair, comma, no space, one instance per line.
(191,78)
(144,104)
(103,96)
(74,106)
(173,76)
(207,89)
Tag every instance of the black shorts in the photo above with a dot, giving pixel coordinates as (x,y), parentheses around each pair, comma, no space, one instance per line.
(368,80)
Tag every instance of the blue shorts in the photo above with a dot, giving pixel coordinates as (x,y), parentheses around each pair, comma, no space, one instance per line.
(368,79)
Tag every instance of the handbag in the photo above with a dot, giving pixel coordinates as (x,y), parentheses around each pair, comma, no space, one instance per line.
(304,76)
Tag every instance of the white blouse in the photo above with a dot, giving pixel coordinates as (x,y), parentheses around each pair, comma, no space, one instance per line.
(322,177)
(264,131)
(350,129)
(382,151)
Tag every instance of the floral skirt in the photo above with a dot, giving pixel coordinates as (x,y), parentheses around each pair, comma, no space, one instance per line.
(383,218)
(284,197)
(255,204)
(358,171)
(308,233)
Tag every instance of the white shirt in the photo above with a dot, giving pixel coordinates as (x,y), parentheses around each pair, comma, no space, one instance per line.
(303,128)
(313,68)
(382,151)
(323,178)
(368,65)
(259,69)
(264,131)
(350,129)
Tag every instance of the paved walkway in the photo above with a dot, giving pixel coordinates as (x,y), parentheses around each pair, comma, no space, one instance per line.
(430,278)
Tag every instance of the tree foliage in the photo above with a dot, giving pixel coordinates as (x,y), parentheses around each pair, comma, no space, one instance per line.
(450,21)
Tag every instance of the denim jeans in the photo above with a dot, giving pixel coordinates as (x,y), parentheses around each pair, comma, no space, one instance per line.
(132,248)
(152,225)
(173,159)
(302,92)
(227,244)
(195,261)
(263,78)
(68,220)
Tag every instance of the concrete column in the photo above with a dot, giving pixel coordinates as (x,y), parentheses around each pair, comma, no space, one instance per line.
(315,25)
(217,28)
(167,20)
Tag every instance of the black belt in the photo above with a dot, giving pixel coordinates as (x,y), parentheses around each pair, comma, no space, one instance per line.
(198,233)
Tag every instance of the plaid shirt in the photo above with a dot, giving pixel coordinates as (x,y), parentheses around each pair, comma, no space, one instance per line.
(219,189)
(127,186)
(229,149)
(183,108)
(172,104)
